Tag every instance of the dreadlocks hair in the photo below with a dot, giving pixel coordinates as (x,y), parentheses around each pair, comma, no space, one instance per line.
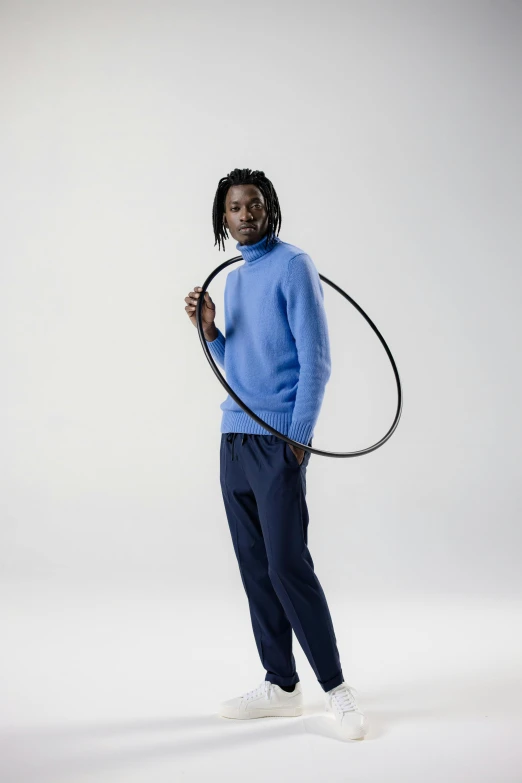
(246,177)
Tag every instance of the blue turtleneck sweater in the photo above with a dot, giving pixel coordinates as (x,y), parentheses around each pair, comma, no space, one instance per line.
(276,353)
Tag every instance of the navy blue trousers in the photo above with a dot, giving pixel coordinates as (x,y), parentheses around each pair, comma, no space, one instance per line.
(264,490)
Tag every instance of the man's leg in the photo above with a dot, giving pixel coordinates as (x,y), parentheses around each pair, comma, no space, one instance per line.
(280,489)
(272,630)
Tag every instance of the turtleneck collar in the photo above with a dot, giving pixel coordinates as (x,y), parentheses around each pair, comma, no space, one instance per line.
(255,252)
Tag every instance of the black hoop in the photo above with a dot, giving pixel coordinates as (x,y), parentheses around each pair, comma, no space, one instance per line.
(252,415)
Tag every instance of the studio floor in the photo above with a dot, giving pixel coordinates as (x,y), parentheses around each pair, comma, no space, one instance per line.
(112,685)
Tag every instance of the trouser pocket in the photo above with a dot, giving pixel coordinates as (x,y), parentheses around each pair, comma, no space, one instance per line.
(291,458)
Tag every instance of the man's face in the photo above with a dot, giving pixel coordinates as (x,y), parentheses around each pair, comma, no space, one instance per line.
(245,206)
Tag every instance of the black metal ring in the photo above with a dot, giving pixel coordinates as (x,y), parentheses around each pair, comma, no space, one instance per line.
(252,415)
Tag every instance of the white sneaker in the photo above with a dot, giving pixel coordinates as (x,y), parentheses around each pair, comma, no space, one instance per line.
(352,722)
(266,701)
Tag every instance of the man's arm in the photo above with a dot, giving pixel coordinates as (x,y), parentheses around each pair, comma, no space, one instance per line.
(307,319)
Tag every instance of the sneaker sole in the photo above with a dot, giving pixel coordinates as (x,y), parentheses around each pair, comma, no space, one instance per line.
(280,712)
(354,737)
(358,734)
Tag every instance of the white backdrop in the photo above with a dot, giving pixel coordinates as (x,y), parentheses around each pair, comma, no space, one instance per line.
(393,141)
(391,132)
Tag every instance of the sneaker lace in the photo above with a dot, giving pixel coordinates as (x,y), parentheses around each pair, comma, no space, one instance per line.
(345,699)
(262,689)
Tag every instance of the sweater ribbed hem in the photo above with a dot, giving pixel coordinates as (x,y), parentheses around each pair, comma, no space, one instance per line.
(239,421)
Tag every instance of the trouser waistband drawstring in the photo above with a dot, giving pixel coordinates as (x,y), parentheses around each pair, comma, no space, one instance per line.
(231,438)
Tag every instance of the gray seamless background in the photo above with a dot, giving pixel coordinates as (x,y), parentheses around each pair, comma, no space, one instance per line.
(391,132)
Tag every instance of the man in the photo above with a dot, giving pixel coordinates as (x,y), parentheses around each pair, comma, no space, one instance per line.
(276,356)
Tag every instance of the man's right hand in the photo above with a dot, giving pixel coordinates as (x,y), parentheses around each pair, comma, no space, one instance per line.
(208,312)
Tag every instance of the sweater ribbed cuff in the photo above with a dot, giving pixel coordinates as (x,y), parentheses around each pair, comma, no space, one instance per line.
(301,431)
(217,349)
